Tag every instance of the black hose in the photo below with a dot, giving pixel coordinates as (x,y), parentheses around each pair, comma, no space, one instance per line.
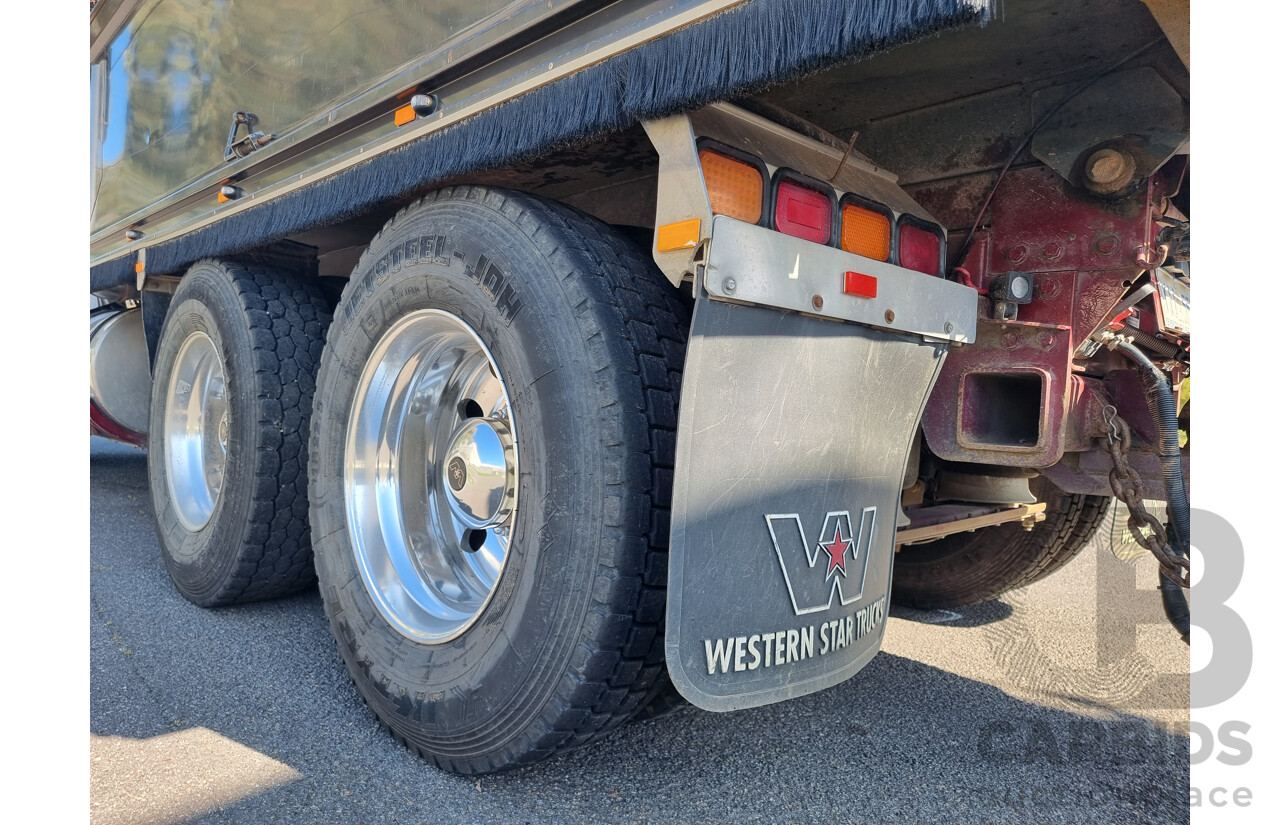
(1176,609)
(1160,346)
(1165,412)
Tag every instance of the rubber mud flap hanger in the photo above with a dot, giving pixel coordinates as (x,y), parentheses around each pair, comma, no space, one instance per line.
(250,143)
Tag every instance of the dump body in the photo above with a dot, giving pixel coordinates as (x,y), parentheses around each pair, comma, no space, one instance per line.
(162,86)
(166,85)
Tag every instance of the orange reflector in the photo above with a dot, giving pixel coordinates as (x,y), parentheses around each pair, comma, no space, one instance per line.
(735,187)
(682,235)
(855,283)
(865,232)
(137,267)
(405,114)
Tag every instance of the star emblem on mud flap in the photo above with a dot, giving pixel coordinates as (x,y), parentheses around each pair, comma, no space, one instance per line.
(845,543)
(836,549)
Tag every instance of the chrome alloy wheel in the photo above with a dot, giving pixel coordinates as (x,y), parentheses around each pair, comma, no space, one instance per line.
(196,424)
(430,475)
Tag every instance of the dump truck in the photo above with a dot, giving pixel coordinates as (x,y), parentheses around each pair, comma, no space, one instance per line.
(595,356)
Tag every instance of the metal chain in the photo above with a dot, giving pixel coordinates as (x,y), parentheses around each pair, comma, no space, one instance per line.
(1127,485)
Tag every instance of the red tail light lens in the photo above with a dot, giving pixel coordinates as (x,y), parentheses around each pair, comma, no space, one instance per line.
(920,247)
(804,211)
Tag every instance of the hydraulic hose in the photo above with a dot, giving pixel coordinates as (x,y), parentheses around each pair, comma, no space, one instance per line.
(1165,412)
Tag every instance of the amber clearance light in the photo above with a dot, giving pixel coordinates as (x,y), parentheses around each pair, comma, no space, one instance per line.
(865,231)
(736,187)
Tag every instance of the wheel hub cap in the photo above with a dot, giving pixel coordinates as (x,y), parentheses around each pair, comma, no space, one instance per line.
(480,471)
(196,431)
(430,476)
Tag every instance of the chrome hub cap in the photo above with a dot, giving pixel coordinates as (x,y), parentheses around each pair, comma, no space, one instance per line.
(430,476)
(195,431)
(480,471)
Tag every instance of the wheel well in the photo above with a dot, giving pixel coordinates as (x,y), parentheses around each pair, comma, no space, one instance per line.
(613,178)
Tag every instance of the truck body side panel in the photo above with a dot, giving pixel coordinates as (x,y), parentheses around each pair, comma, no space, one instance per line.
(175,75)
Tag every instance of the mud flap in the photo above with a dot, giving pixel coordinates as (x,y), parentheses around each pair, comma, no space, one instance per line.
(793,438)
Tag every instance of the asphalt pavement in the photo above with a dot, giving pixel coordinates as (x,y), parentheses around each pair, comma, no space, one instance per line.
(1065,702)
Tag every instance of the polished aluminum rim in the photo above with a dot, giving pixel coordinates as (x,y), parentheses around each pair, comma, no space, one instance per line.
(430,476)
(196,426)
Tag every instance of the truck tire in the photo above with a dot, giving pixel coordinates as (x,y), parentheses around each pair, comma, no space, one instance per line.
(493,438)
(970,568)
(234,375)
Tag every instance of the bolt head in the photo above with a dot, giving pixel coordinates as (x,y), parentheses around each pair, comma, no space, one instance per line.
(817,302)
(730,285)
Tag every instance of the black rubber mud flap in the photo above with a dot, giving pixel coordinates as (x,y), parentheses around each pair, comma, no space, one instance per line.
(792,443)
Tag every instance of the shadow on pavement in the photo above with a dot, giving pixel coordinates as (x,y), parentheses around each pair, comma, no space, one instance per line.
(900,742)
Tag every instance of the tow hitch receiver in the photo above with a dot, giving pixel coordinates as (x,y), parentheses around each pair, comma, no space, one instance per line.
(792,443)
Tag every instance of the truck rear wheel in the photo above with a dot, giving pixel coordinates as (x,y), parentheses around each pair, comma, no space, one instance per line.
(970,568)
(493,435)
(230,406)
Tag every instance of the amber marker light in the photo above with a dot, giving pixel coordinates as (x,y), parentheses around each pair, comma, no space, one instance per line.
(865,231)
(405,114)
(735,187)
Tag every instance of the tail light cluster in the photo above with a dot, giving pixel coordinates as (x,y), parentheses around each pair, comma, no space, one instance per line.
(740,186)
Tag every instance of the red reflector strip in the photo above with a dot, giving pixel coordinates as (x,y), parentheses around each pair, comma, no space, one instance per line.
(855,283)
(803,213)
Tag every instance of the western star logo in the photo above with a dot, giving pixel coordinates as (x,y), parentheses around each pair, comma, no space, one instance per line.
(835,564)
(842,550)
(457,473)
